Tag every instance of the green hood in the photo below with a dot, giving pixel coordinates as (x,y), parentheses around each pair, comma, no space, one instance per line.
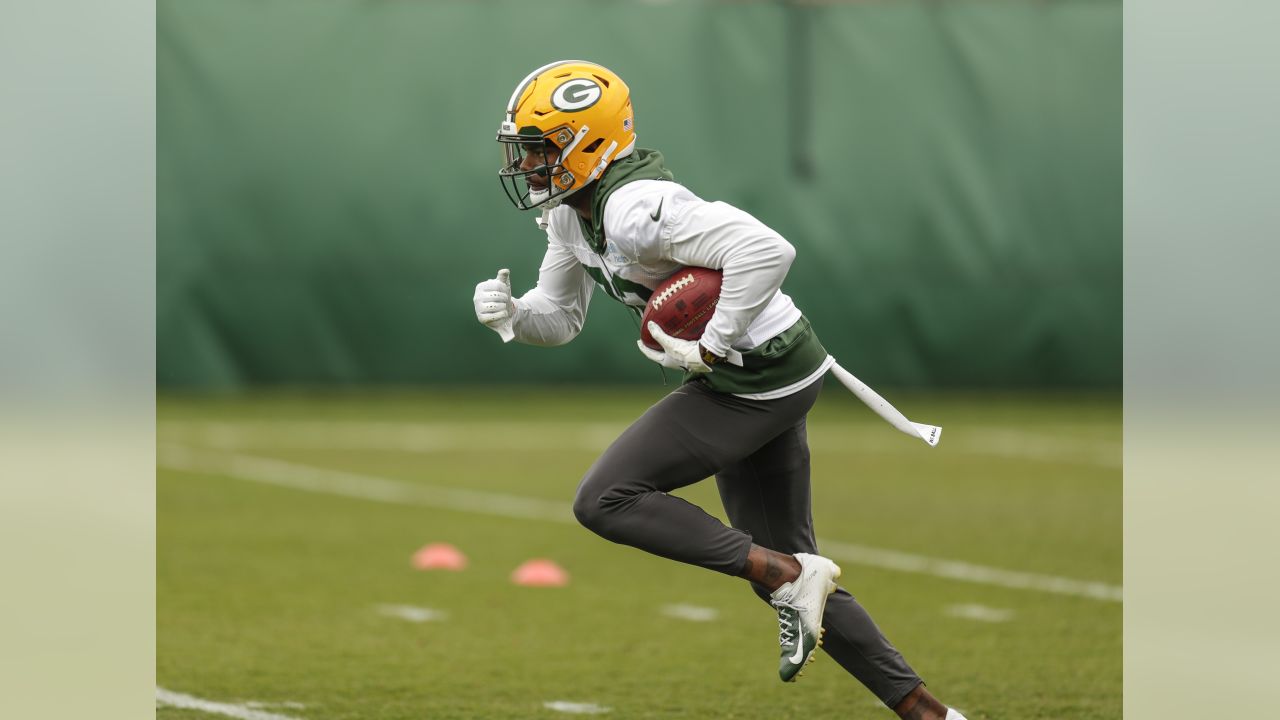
(641,164)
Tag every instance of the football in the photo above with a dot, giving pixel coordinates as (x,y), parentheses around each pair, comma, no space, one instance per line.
(682,305)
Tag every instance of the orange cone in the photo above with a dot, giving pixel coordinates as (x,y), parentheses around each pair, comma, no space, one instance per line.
(439,556)
(540,572)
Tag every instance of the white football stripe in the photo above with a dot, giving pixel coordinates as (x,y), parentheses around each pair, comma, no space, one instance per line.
(368,487)
(241,712)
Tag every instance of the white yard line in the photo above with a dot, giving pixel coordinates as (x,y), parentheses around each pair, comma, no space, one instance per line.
(1023,445)
(168,698)
(980,613)
(412,613)
(378,489)
(575,708)
(429,437)
(968,572)
(692,613)
(364,487)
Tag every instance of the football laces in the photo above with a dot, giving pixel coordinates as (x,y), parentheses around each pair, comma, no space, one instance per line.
(677,286)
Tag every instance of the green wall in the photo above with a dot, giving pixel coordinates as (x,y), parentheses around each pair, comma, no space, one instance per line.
(950,173)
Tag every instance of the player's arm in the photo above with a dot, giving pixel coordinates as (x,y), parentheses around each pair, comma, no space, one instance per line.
(552,313)
(753,258)
(659,223)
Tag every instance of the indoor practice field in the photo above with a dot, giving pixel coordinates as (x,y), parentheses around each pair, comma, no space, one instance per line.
(286,524)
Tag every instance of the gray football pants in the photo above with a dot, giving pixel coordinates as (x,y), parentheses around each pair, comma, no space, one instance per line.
(759,452)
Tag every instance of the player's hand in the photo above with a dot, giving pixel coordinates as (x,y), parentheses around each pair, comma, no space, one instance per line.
(676,354)
(494,308)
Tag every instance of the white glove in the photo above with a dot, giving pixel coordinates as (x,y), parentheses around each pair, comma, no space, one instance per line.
(494,307)
(679,354)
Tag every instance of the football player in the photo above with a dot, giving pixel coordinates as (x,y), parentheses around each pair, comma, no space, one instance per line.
(615,219)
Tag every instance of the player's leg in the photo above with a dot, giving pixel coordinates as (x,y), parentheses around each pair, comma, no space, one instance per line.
(686,437)
(767,495)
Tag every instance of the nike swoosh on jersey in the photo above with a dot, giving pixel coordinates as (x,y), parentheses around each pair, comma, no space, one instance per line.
(657,213)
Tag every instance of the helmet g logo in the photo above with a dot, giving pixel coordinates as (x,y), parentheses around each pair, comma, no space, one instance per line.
(575,95)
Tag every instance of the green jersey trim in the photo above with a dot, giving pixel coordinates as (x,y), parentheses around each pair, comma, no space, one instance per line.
(785,359)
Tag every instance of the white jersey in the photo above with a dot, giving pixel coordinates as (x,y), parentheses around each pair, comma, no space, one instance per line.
(652,228)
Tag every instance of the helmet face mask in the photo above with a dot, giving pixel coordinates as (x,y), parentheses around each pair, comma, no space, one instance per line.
(577,111)
(556,180)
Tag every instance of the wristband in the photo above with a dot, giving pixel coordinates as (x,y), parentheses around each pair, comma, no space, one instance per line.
(708,358)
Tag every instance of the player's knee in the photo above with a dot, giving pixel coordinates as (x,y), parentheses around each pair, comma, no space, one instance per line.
(601,503)
(587,507)
(584,509)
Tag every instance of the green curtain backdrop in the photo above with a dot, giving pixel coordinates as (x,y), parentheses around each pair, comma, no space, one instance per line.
(950,173)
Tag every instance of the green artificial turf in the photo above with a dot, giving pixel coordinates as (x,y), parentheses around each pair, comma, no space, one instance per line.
(271,595)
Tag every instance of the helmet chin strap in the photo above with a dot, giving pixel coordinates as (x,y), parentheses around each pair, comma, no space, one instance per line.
(555,202)
(545,208)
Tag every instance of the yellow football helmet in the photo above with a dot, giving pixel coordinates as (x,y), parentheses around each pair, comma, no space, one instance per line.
(580,108)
